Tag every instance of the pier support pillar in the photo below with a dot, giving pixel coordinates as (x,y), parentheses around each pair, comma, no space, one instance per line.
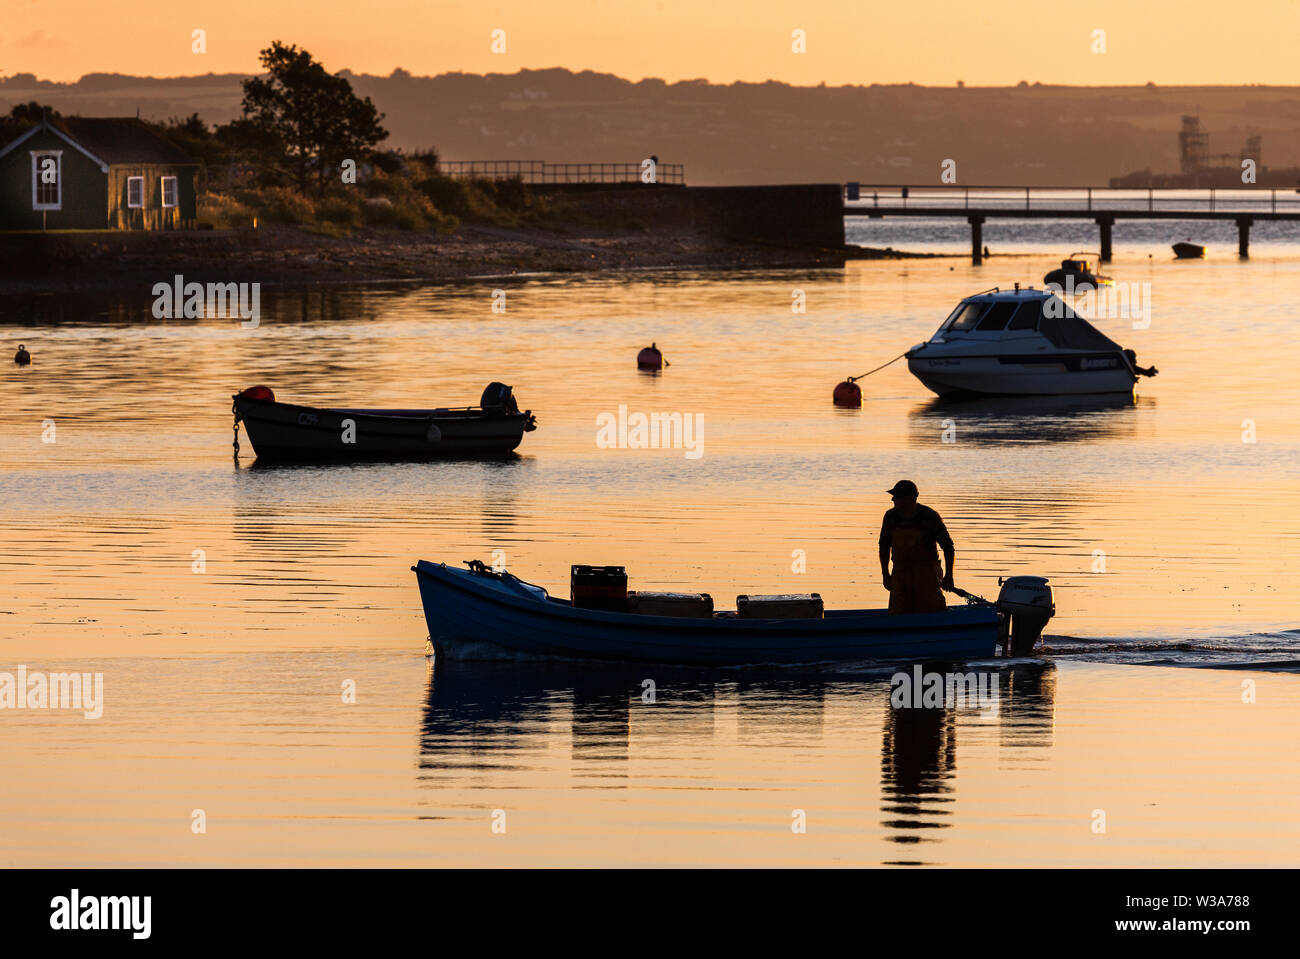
(976,239)
(1243,236)
(1105,222)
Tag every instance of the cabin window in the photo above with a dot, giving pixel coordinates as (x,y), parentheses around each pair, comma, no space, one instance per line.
(135,192)
(168,191)
(1026,317)
(968,316)
(996,318)
(47,180)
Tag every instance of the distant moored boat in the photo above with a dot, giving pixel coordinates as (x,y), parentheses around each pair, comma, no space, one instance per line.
(1189,251)
(1077,274)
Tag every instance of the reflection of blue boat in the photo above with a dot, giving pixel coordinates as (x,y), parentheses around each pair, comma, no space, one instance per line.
(466,609)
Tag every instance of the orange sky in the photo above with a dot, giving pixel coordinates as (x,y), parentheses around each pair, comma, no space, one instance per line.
(931,42)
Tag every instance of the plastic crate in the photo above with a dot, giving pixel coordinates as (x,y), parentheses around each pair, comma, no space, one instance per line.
(783,606)
(690,605)
(599,587)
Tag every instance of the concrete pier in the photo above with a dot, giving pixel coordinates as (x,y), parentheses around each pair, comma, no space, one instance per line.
(1103,206)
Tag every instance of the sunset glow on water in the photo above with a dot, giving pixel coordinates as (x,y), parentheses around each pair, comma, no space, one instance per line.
(226,680)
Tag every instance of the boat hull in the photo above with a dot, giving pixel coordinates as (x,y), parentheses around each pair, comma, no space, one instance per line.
(1029,375)
(472,615)
(1076,282)
(285,432)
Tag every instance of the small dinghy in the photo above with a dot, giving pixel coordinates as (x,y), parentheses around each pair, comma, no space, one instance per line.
(1189,251)
(286,432)
(483,613)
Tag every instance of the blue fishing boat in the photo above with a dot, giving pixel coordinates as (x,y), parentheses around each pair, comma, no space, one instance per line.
(479,612)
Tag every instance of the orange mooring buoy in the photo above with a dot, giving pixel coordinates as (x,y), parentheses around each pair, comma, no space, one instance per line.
(650,359)
(847,394)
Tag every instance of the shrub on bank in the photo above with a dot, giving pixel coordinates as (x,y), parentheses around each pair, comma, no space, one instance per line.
(415,199)
(280,204)
(224,212)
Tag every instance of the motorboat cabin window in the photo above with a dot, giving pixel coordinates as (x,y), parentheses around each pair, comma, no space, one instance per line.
(1026,317)
(996,318)
(967,316)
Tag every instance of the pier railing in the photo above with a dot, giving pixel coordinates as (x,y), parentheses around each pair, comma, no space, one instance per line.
(540,171)
(955,198)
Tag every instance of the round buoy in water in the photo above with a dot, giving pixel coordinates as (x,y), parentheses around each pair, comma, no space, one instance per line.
(650,358)
(847,394)
(259,393)
(22,357)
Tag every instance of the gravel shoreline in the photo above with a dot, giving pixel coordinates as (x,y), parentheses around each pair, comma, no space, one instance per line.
(292,257)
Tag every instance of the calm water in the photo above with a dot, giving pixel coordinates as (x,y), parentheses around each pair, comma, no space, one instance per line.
(1169,540)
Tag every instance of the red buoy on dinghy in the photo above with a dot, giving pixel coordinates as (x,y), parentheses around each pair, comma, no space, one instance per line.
(650,359)
(259,393)
(847,394)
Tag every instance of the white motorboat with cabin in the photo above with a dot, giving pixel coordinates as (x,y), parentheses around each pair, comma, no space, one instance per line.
(1022,343)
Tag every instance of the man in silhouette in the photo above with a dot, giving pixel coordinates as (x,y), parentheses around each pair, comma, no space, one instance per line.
(912,534)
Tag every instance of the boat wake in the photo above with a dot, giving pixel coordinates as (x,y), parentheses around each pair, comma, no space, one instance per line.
(1272,651)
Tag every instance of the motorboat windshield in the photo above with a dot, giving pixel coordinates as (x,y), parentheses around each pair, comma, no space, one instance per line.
(1045,313)
(992,316)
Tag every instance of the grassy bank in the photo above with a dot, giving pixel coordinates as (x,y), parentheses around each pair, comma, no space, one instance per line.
(413,197)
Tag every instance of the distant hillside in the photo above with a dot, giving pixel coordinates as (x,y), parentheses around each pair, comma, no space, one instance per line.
(760,133)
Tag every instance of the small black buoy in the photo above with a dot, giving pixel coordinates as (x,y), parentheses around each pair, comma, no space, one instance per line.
(847,394)
(650,358)
(22,357)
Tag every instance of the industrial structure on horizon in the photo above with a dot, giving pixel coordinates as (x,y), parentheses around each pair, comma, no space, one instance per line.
(1200,168)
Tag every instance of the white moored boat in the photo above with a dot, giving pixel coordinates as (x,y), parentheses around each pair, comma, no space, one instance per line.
(1022,343)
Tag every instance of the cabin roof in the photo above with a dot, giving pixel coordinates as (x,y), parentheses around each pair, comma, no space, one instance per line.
(1027,293)
(111,140)
(122,140)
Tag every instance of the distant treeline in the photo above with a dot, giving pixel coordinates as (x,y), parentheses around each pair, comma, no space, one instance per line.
(1031,134)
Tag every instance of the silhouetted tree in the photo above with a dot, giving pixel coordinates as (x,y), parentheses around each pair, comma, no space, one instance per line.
(312,116)
(33,112)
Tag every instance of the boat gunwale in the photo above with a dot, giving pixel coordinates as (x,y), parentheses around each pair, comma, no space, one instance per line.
(404,416)
(874,620)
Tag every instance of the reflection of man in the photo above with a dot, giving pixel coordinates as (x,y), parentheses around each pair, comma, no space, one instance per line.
(910,534)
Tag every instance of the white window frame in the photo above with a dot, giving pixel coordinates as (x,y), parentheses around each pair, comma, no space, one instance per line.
(36,179)
(176,196)
(129,204)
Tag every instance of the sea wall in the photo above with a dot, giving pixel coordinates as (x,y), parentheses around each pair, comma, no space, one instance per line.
(23,253)
(795,215)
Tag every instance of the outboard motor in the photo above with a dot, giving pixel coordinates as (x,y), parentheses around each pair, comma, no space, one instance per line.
(1026,604)
(499,398)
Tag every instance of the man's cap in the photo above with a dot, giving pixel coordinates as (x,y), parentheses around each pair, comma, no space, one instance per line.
(903,488)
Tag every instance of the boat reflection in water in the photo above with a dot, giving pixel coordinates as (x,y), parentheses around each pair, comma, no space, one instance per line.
(1018,420)
(918,766)
(498,723)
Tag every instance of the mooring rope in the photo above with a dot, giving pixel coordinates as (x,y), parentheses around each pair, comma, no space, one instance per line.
(853,379)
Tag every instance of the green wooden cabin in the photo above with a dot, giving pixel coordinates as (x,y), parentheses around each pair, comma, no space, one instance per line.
(95,173)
